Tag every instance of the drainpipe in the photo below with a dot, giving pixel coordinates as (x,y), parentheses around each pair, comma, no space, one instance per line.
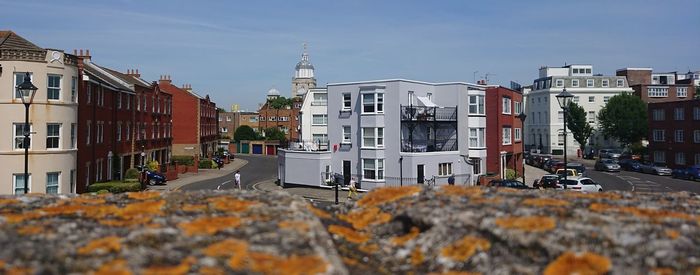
(401,170)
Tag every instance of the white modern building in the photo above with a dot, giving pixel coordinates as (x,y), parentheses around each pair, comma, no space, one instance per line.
(545,118)
(395,132)
(314,119)
(52,117)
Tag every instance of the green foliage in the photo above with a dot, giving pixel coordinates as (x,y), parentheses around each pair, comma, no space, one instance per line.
(131,173)
(207,164)
(624,118)
(578,124)
(220,110)
(245,132)
(510,174)
(115,187)
(183,160)
(275,134)
(153,165)
(279,103)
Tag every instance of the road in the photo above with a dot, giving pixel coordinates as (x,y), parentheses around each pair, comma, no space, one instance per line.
(638,182)
(259,168)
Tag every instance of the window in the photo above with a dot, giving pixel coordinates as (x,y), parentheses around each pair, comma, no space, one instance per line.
(347,101)
(588,71)
(101,97)
(73,89)
(445,169)
(591,116)
(19,135)
(19,183)
(119,100)
(620,83)
(52,182)
(574,83)
(72,181)
(128,102)
(696,113)
(606,83)
(657,91)
(696,136)
(575,70)
(591,99)
(98,170)
(560,83)
(53,135)
(679,113)
(560,139)
(590,83)
(100,132)
(19,78)
(320,138)
(660,156)
(680,158)
(88,93)
(347,135)
(518,134)
(506,105)
(87,134)
(128,131)
(679,136)
(138,103)
(476,138)
(73,139)
(506,136)
(560,116)
(372,137)
(658,114)
(681,91)
(372,103)
(606,99)
(517,106)
(659,135)
(476,104)
(576,99)
(373,169)
(319,120)
(476,167)
(119,131)
(697,159)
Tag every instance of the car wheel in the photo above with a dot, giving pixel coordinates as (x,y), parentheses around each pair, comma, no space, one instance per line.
(600,189)
(152,182)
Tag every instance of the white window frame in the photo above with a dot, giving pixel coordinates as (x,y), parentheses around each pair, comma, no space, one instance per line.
(88,132)
(606,99)
(605,83)
(559,83)
(657,91)
(590,83)
(477,137)
(19,78)
(17,137)
(58,182)
(620,83)
(58,143)
(477,102)
(658,114)
(378,172)
(444,169)
(347,101)
(576,99)
(574,83)
(119,100)
(591,116)
(678,136)
(679,113)
(100,132)
(517,134)
(696,136)
(119,131)
(377,102)
(322,117)
(517,107)
(347,135)
(57,89)
(377,137)
(659,135)
(681,91)
(507,105)
(507,137)
(560,116)
(660,156)
(591,99)
(73,136)
(21,188)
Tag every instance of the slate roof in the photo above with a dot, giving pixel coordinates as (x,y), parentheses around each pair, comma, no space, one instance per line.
(10,40)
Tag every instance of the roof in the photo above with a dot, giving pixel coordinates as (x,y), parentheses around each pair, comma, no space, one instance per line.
(10,40)
(127,78)
(106,76)
(470,85)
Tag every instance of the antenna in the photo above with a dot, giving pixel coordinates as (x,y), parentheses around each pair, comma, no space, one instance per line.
(474,76)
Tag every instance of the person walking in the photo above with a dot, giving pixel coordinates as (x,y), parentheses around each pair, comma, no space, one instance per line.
(451,179)
(352,190)
(237,179)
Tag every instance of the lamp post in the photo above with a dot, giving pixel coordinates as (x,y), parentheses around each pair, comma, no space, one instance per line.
(27,91)
(564,99)
(522,116)
(143,168)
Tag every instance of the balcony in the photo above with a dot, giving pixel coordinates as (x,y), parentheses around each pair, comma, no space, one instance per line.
(431,114)
(308,145)
(420,137)
(319,103)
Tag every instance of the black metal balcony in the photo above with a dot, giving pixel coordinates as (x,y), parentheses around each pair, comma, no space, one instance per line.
(433,114)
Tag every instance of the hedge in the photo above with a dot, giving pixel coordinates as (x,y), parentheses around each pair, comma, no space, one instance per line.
(183,160)
(115,187)
(207,164)
(131,173)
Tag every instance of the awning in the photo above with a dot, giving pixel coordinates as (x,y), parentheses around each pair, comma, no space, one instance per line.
(424,101)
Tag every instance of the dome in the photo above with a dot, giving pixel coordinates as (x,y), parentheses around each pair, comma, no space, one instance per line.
(304,64)
(304,69)
(273,91)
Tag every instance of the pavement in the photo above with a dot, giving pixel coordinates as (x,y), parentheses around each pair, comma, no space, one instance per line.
(203,175)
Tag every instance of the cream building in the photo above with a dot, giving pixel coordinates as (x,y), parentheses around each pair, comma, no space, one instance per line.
(52,117)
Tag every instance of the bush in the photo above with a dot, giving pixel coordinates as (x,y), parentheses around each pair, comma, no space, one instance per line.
(131,173)
(153,165)
(115,187)
(510,174)
(207,164)
(183,160)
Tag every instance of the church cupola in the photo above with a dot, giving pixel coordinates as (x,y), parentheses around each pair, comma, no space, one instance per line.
(304,68)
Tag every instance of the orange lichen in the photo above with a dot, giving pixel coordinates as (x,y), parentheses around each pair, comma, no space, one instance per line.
(673,234)
(101,246)
(451,272)
(348,233)
(209,225)
(663,271)
(455,190)
(417,257)
(87,199)
(584,263)
(114,267)
(134,221)
(466,247)
(597,195)
(145,208)
(194,207)
(206,270)
(293,265)
(230,204)
(349,261)
(482,200)
(100,211)
(300,226)
(143,195)
(2,264)
(507,190)
(30,230)
(387,194)
(18,270)
(4,201)
(528,223)
(18,218)
(543,202)
(319,213)
(226,248)
(401,240)
(181,268)
(653,214)
(363,217)
(368,248)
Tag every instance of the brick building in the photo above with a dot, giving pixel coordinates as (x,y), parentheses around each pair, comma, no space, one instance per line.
(195,125)
(658,87)
(504,129)
(286,118)
(674,132)
(230,121)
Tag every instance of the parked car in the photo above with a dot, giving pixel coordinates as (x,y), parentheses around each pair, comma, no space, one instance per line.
(152,177)
(541,160)
(508,184)
(548,181)
(580,168)
(219,161)
(590,154)
(629,155)
(581,184)
(607,165)
(555,165)
(569,173)
(609,153)
(630,165)
(689,173)
(656,169)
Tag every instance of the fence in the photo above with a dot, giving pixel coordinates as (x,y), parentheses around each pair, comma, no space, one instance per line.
(337,178)
(308,145)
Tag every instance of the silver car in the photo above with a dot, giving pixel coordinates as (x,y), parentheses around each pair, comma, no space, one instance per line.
(656,169)
(608,165)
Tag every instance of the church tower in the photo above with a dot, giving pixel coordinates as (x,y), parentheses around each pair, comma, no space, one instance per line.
(303,76)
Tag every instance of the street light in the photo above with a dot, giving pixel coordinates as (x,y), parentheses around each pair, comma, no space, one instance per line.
(564,99)
(144,178)
(522,116)
(27,91)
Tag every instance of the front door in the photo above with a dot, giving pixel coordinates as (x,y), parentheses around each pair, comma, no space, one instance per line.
(346,172)
(421,173)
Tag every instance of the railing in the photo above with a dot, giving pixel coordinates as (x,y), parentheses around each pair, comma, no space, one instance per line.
(421,113)
(319,103)
(460,179)
(308,145)
(428,145)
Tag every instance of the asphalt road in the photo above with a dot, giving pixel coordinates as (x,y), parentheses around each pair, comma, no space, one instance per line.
(638,182)
(259,168)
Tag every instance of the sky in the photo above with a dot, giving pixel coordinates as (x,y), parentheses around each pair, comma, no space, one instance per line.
(235,51)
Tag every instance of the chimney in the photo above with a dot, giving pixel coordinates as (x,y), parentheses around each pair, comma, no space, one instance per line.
(132,72)
(481,82)
(164,79)
(85,55)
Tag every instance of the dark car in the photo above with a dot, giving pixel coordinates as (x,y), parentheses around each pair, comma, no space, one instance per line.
(548,181)
(541,160)
(219,161)
(555,165)
(608,165)
(508,184)
(153,177)
(689,173)
(630,165)
(580,168)
(590,154)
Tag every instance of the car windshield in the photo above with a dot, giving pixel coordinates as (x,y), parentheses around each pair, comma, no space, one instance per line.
(608,161)
(569,182)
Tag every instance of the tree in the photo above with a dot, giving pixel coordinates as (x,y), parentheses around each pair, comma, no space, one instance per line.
(275,134)
(245,132)
(280,103)
(578,124)
(624,118)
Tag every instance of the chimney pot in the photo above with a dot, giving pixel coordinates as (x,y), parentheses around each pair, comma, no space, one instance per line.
(87,52)
(75,51)
(137,71)
(81,52)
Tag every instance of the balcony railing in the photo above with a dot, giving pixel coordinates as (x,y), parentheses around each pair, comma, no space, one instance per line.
(308,145)
(422,113)
(428,145)
(319,103)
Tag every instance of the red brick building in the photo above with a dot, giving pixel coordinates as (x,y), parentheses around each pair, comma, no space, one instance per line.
(504,130)
(112,117)
(194,122)
(674,132)
(286,119)
(658,87)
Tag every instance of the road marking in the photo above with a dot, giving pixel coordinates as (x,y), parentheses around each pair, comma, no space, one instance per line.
(222,184)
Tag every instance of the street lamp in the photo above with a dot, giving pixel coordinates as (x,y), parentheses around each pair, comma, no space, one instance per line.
(143,168)
(27,91)
(564,99)
(522,116)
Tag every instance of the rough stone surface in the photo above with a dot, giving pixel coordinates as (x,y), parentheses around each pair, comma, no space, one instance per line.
(387,231)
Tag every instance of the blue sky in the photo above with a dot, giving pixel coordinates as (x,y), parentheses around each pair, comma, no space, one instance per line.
(236,50)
